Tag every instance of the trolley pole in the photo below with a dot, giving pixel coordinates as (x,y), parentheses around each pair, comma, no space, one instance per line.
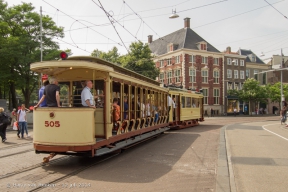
(41,46)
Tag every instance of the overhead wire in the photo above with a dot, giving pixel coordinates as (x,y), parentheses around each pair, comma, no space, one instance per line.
(108,16)
(276,9)
(80,22)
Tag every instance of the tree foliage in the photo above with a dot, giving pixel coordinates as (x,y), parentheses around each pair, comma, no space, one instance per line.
(140,60)
(111,56)
(274,92)
(20,46)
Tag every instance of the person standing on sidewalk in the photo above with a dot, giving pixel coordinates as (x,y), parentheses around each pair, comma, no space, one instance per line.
(22,121)
(14,117)
(4,121)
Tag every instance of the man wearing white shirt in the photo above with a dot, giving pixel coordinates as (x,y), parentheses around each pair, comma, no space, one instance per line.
(87,98)
(22,121)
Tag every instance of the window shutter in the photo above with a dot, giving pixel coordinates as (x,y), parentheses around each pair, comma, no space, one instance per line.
(202,47)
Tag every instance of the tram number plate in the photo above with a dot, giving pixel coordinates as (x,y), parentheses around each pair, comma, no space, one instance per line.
(52,123)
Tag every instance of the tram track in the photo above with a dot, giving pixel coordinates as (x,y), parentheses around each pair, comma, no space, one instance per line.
(16,145)
(55,181)
(33,167)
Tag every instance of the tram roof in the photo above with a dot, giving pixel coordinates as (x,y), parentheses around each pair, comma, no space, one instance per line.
(108,66)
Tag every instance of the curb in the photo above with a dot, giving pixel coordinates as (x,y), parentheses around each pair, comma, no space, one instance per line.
(230,166)
(225,176)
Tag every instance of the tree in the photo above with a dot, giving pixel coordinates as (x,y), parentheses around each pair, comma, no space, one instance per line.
(253,92)
(19,34)
(274,92)
(140,60)
(111,56)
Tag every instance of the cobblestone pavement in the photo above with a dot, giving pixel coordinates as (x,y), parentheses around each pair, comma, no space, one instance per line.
(180,160)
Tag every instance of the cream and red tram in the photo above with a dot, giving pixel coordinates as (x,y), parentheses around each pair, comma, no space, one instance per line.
(76,130)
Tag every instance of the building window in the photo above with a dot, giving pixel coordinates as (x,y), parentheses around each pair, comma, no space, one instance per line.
(192,75)
(236,87)
(216,61)
(264,79)
(168,62)
(204,74)
(204,60)
(191,59)
(178,59)
(247,73)
(240,86)
(236,74)
(169,77)
(205,95)
(229,73)
(203,47)
(161,63)
(216,94)
(161,77)
(241,62)
(229,86)
(177,75)
(235,61)
(242,75)
(256,71)
(216,76)
(229,61)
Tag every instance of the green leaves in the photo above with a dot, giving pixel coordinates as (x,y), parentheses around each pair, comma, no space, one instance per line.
(20,45)
(139,59)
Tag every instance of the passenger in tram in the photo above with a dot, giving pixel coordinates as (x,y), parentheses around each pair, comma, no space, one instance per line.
(169,103)
(51,93)
(41,93)
(77,94)
(125,108)
(142,114)
(87,98)
(148,113)
(174,108)
(116,108)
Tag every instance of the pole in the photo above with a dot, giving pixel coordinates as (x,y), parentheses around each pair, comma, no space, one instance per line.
(281,80)
(41,48)
(192,73)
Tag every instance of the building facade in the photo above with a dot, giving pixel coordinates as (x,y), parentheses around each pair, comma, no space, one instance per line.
(234,78)
(186,59)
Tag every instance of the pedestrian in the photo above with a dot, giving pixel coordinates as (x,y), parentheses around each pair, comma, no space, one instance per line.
(22,121)
(211,111)
(41,93)
(235,111)
(13,117)
(51,93)
(4,121)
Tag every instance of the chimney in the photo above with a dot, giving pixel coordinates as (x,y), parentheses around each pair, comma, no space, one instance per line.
(228,50)
(187,22)
(150,38)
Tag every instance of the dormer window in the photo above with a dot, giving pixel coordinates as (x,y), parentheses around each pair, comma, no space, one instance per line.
(171,47)
(252,57)
(202,46)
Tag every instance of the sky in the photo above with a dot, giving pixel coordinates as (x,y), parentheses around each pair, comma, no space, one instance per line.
(245,24)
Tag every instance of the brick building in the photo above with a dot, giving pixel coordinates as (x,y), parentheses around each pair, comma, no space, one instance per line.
(186,59)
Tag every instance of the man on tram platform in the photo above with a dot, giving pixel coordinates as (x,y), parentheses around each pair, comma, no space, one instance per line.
(87,98)
(51,93)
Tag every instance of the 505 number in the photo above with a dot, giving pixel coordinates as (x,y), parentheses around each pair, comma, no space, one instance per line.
(52,123)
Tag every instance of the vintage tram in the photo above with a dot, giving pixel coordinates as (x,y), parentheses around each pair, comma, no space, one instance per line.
(144,110)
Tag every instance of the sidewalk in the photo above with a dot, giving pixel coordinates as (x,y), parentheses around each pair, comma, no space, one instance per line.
(256,156)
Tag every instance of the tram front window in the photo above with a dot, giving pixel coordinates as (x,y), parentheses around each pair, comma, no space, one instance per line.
(64,94)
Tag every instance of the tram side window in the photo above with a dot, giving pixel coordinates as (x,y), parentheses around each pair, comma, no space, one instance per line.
(183,101)
(188,102)
(99,92)
(193,102)
(64,94)
(77,89)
